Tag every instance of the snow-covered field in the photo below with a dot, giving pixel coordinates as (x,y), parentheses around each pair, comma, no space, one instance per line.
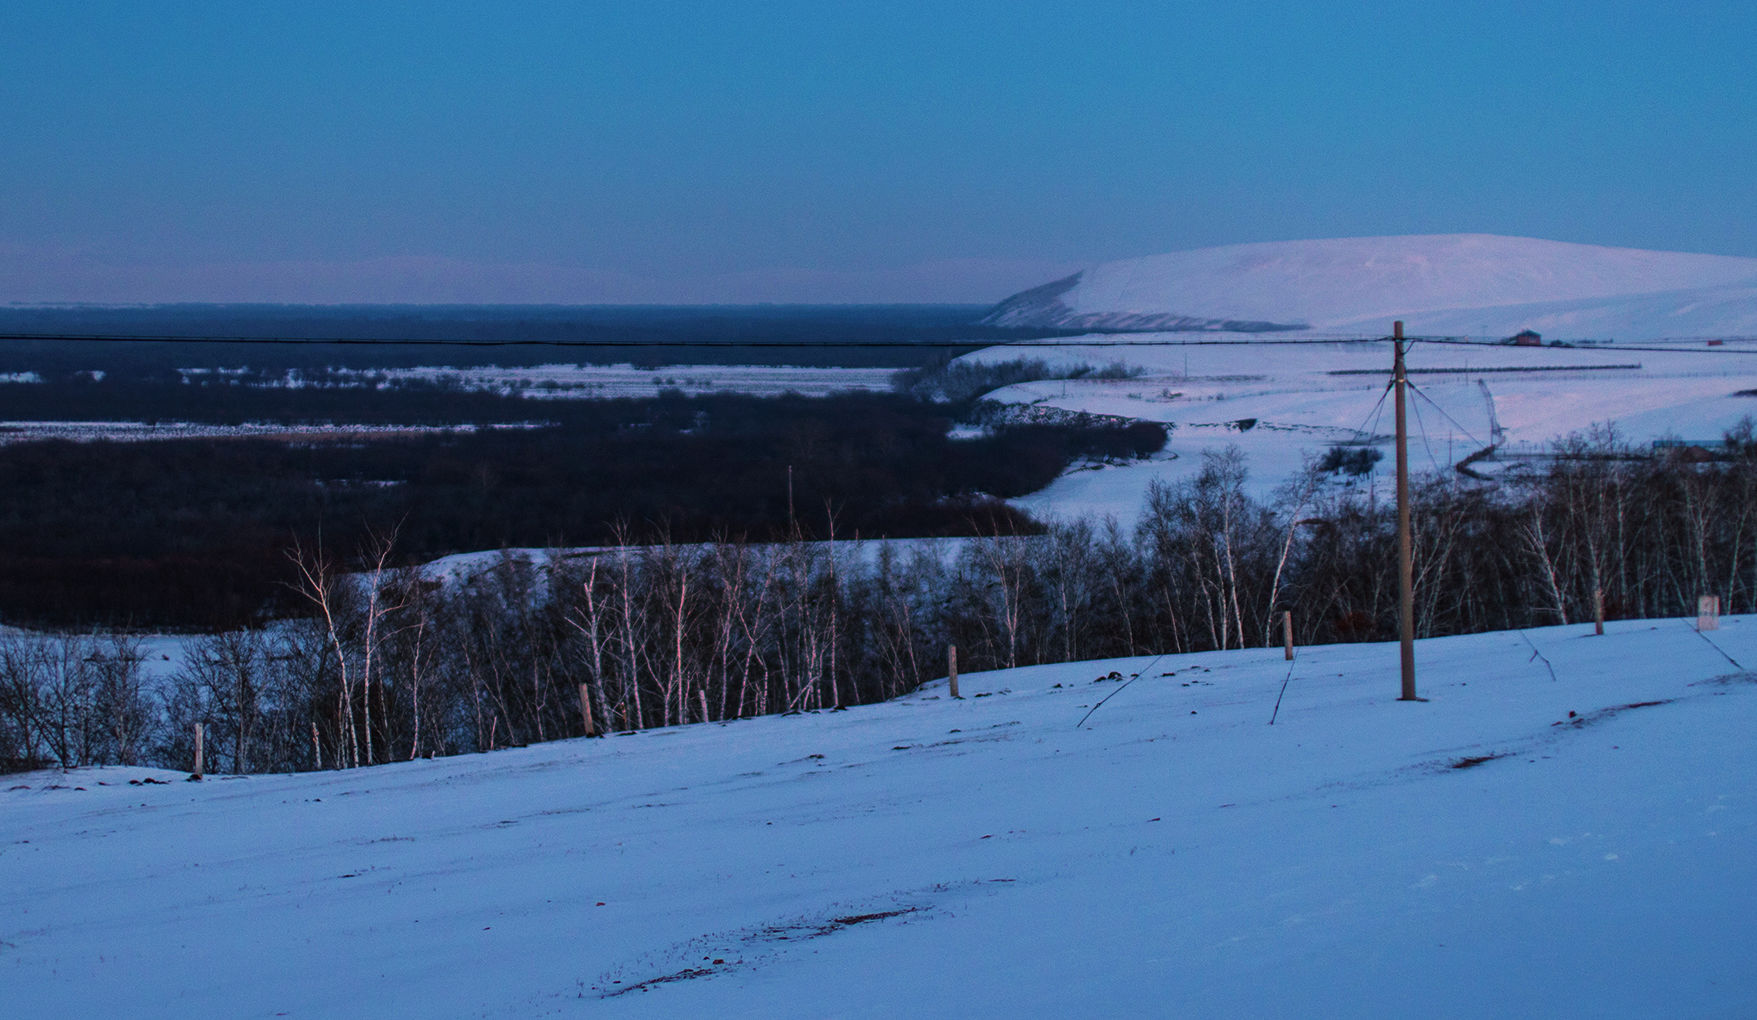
(1520,845)
(602,382)
(1444,285)
(1304,396)
(541,382)
(136,432)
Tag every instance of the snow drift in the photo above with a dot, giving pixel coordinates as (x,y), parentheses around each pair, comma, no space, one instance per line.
(1439,283)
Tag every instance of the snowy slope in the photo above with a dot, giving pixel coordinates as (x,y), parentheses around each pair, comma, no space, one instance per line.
(1475,284)
(1581,845)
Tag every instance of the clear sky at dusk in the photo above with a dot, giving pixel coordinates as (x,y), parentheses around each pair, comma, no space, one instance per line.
(747,151)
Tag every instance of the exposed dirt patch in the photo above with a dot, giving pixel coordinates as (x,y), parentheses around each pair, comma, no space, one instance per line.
(724,952)
(1727,680)
(664,979)
(729,957)
(1474,760)
(1592,718)
(807,930)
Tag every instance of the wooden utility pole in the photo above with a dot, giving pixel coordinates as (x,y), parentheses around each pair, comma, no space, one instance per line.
(1405,544)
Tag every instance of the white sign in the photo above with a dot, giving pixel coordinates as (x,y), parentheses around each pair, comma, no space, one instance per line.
(1708,612)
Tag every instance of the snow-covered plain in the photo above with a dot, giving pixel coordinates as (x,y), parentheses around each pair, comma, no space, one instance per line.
(1459,286)
(1519,845)
(605,382)
(137,432)
(1305,396)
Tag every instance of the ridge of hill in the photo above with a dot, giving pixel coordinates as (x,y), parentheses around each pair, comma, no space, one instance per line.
(1454,283)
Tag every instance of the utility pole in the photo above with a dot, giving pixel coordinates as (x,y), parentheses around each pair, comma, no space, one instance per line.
(1405,550)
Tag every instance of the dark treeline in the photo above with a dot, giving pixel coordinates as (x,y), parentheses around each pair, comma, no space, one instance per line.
(388,664)
(852,336)
(191,533)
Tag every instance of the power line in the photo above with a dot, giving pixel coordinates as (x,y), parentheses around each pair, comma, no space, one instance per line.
(1611,346)
(1436,404)
(1372,416)
(1413,406)
(1657,345)
(119,338)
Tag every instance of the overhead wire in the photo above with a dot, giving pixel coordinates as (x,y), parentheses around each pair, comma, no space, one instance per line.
(1436,405)
(1375,414)
(1612,346)
(1080,340)
(1435,461)
(127,338)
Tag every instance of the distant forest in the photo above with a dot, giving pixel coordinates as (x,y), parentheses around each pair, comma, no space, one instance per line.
(857,336)
(192,533)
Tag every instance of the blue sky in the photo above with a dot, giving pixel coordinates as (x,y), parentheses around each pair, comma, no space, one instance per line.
(655,151)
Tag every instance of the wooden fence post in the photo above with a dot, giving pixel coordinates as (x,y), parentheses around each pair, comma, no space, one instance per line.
(586,711)
(1708,612)
(197,750)
(952,668)
(1597,611)
(1287,632)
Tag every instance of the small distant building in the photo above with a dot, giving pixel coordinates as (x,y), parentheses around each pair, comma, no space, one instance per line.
(1525,338)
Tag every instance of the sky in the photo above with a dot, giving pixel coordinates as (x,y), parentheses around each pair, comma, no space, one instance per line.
(602,151)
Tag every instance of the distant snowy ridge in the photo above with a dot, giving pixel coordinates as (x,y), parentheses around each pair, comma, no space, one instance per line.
(1438,283)
(1042,306)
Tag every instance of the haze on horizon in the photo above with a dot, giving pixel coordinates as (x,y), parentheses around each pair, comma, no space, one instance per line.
(788,152)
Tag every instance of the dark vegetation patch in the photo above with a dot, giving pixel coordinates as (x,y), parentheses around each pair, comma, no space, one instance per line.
(1353,461)
(949,381)
(193,533)
(853,336)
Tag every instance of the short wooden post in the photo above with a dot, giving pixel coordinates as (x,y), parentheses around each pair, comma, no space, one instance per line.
(1708,612)
(1287,632)
(586,711)
(198,750)
(952,669)
(1597,611)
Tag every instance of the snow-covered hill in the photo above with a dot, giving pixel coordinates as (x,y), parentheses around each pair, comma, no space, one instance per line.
(1202,320)
(1582,844)
(1474,284)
